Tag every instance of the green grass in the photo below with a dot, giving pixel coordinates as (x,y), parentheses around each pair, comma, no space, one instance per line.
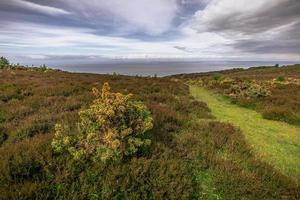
(277,143)
(207,182)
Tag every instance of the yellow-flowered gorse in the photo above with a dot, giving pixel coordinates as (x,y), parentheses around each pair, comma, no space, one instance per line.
(110,129)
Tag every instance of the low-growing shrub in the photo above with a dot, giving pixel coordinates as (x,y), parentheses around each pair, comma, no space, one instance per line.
(110,129)
(281,114)
(9,92)
(3,62)
(32,129)
(217,76)
(280,78)
(258,90)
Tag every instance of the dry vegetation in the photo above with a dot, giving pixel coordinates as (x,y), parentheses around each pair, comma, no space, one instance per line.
(187,159)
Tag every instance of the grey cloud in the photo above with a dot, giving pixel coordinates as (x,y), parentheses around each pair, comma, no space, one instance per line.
(285,42)
(258,46)
(274,14)
(144,18)
(270,26)
(19,5)
(184,49)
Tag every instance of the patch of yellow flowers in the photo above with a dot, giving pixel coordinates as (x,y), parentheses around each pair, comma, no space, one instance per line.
(110,129)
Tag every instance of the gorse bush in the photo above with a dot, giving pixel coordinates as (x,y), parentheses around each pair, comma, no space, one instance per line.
(110,129)
(258,90)
(236,88)
(248,90)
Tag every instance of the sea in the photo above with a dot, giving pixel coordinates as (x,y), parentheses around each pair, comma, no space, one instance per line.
(156,68)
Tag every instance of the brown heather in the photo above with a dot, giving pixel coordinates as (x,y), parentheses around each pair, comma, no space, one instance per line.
(187,159)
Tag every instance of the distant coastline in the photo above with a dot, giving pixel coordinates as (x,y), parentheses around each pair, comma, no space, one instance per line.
(164,68)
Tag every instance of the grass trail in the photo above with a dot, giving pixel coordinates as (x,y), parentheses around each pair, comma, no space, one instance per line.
(275,142)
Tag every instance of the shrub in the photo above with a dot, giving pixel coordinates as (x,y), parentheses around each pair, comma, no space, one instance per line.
(34,127)
(258,91)
(217,76)
(280,78)
(281,114)
(248,90)
(3,62)
(110,129)
(9,92)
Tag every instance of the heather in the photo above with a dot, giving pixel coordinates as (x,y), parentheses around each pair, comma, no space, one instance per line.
(88,136)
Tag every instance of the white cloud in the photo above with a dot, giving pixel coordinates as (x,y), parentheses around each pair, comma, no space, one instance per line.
(36,56)
(83,41)
(150,16)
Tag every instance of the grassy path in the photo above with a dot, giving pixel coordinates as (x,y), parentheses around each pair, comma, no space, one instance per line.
(276,142)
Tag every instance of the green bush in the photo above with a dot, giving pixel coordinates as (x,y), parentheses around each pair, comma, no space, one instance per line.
(3,62)
(217,76)
(110,129)
(280,78)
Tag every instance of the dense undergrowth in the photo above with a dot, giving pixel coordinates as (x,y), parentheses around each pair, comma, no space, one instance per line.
(32,102)
(272,91)
(188,158)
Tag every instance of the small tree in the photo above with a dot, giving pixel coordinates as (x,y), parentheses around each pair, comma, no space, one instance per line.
(3,62)
(110,129)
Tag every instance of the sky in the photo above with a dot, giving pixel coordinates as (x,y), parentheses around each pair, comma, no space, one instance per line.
(101,30)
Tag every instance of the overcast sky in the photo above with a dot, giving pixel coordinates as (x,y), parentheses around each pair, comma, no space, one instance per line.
(160,29)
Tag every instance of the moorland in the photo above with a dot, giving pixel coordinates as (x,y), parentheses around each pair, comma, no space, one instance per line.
(221,135)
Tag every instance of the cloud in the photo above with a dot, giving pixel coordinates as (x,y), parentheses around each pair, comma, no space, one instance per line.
(247,18)
(152,17)
(67,40)
(284,40)
(181,48)
(150,29)
(267,26)
(84,41)
(27,5)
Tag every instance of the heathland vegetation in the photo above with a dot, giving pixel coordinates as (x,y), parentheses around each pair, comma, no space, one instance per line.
(272,91)
(273,141)
(72,136)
